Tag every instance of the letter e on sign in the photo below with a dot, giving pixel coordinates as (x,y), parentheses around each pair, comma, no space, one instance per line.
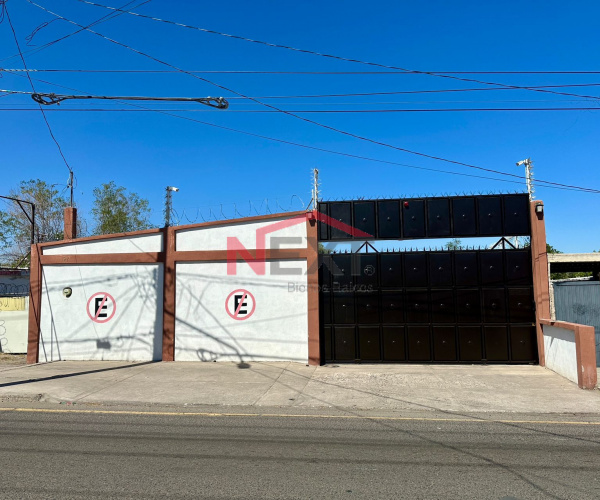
(240,304)
(101,307)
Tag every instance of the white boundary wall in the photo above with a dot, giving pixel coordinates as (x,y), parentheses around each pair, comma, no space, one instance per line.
(560,351)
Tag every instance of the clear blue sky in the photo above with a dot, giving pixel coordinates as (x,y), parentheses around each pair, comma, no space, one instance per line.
(147,151)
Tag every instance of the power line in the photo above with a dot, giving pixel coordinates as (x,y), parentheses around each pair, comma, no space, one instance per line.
(300,111)
(279,72)
(49,99)
(320,54)
(329,151)
(107,17)
(5,9)
(307,120)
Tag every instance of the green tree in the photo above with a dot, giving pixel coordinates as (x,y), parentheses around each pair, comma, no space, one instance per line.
(454,244)
(117,211)
(15,228)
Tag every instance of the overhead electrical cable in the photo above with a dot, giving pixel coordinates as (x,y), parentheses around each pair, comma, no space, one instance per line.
(307,120)
(300,111)
(279,72)
(33,87)
(107,17)
(329,151)
(321,54)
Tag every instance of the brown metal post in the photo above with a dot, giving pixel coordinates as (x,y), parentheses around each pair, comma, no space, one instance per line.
(312,266)
(168,344)
(35,300)
(541,279)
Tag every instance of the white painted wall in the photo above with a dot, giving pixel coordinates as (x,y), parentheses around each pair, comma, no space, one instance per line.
(559,348)
(277,331)
(133,334)
(13,328)
(134,244)
(215,237)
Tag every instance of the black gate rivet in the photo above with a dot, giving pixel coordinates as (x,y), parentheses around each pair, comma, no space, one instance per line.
(392,306)
(467,305)
(517,268)
(368,305)
(438,217)
(415,269)
(440,268)
(364,219)
(441,305)
(493,305)
(389,219)
(464,216)
(491,267)
(516,214)
(390,269)
(490,215)
(343,305)
(413,218)
(519,304)
(465,268)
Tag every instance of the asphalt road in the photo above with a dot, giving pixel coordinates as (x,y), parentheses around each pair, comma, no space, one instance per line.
(126,455)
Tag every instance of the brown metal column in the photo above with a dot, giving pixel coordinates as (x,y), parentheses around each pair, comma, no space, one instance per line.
(312,266)
(541,280)
(35,301)
(168,343)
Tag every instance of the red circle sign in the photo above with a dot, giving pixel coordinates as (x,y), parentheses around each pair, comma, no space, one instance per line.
(237,304)
(101,302)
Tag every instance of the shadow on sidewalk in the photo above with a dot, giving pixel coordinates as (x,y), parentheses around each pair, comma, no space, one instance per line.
(77,374)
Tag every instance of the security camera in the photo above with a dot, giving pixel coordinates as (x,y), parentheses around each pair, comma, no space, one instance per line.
(519,163)
(172,188)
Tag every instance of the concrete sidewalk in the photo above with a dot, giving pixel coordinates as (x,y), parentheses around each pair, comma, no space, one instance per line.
(492,388)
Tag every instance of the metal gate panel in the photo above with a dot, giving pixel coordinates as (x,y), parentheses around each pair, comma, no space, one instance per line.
(368,343)
(341,212)
(389,219)
(392,307)
(490,215)
(494,305)
(343,308)
(464,217)
(413,218)
(465,268)
(367,270)
(468,306)
(444,343)
(393,343)
(341,270)
(523,343)
(516,216)
(419,345)
(391,271)
(367,308)
(496,343)
(415,269)
(520,305)
(442,306)
(438,218)
(345,343)
(364,216)
(491,268)
(416,306)
(440,269)
(518,267)
(470,345)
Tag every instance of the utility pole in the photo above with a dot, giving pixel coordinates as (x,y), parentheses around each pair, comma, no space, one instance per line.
(71,186)
(315,189)
(528,176)
(169,204)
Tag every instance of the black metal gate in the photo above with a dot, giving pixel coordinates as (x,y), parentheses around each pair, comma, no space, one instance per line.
(469,306)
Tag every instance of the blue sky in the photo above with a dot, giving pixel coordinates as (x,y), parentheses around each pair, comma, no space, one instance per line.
(147,151)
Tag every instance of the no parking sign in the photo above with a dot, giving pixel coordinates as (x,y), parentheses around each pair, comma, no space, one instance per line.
(101,307)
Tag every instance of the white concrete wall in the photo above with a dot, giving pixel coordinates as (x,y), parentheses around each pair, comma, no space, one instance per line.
(133,334)
(13,327)
(134,244)
(277,331)
(559,348)
(215,237)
